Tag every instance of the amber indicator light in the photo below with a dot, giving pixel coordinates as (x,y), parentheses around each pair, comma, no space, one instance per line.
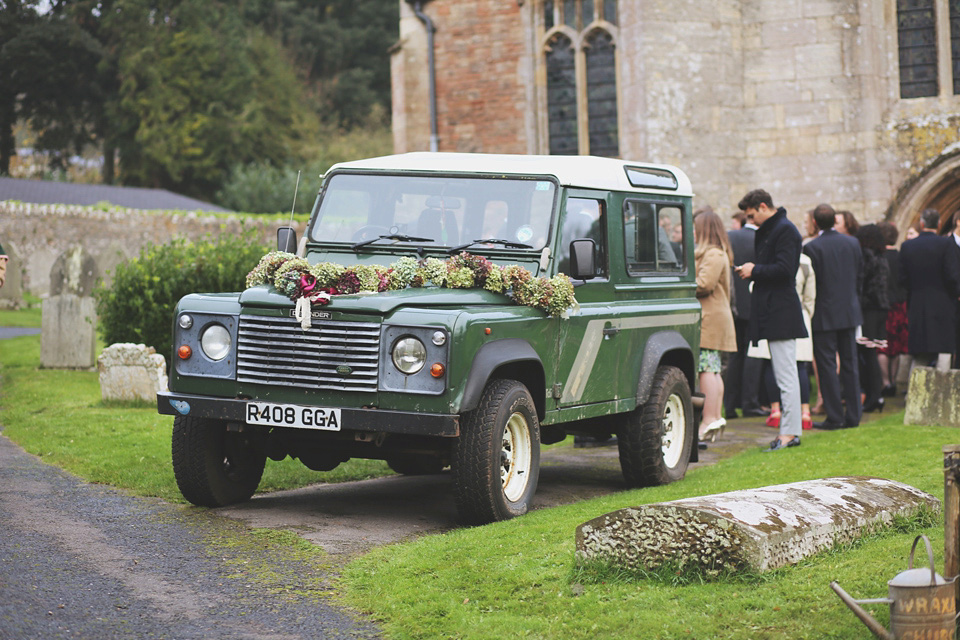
(184,352)
(437,370)
(488,331)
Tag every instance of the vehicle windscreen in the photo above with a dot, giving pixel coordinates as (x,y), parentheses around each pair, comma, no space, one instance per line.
(448,211)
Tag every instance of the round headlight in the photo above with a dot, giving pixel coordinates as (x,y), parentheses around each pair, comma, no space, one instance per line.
(215,342)
(409,355)
(185,321)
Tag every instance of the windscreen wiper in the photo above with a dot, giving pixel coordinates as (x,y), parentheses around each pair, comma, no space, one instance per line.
(507,243)
(392,236)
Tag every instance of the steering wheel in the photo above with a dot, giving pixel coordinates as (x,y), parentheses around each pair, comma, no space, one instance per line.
(368,232)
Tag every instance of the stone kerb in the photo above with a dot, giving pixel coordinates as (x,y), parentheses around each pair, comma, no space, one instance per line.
(131,372)
(933,397)
(753,529)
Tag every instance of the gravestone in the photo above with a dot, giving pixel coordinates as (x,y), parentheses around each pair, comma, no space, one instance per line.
(69,319)
(752,529)
(131,372)
(74,271)
(933,397)
(11,294)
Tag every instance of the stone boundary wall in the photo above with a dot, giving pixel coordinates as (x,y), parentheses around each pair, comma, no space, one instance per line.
(38,233)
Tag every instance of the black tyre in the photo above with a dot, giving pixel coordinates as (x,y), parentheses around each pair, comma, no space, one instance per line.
(496,459)
(214,467)
(415,464)
(655,439)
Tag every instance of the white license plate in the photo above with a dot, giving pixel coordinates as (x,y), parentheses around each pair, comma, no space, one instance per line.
(293,415)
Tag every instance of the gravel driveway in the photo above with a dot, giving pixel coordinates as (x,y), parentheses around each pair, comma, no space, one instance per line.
(84,561)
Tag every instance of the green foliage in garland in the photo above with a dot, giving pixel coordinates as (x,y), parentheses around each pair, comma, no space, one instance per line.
(294,277)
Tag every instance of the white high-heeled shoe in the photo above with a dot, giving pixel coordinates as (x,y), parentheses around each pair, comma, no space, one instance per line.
(714,430)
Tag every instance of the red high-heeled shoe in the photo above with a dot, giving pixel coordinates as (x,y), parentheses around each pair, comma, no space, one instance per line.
(773,420)
(806,421)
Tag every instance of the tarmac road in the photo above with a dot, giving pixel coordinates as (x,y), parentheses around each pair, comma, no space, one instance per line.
(86,561)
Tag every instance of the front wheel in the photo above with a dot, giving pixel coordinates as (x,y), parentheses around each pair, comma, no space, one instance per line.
(655,439)
(496,459)
(214,467)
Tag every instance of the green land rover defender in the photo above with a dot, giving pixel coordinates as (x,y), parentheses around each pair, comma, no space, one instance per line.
(435,370)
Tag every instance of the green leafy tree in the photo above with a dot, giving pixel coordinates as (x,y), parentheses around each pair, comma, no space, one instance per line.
(199,93)
(54,68)
(340,47)
(47,68)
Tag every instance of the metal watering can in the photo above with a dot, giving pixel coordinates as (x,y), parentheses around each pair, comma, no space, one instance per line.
(922,603)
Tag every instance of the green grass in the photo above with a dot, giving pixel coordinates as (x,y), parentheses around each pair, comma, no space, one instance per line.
(27,316)
(518,578)
(59,416)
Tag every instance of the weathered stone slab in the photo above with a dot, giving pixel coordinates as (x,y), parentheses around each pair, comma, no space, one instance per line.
(75,272)
(131,372)
(68,337)
(757,529)
(933,397)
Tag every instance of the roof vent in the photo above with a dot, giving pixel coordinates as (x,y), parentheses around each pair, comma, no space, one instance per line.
(651,178)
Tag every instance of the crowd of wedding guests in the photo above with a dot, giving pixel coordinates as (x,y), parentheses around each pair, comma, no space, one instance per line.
(839,303)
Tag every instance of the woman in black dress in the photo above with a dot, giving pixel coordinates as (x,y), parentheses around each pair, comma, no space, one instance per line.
(896,315)
(874,304)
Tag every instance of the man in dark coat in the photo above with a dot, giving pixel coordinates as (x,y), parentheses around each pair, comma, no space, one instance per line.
(930,271)
(775,312)
(838,263)
(742,379)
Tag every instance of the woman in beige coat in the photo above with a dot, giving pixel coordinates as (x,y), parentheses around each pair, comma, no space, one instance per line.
(713,258)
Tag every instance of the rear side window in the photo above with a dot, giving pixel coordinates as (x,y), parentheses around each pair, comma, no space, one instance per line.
(653,237)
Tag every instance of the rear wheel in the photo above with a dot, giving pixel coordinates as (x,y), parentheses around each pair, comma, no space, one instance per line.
(496,460)
(655,439)
(214,467)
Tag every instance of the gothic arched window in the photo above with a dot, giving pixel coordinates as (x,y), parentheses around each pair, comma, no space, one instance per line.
(579,57)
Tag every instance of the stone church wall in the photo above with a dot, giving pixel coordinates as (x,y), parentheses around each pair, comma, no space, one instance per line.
(800,97)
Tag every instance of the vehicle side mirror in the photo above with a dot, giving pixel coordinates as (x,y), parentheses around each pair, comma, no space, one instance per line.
(287,239)
(583,259)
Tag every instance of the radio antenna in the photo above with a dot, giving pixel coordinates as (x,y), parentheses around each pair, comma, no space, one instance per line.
(294,205)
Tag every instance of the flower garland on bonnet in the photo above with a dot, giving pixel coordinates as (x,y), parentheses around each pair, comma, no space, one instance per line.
(308,285)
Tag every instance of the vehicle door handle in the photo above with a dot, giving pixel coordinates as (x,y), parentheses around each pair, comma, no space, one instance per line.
(609,332)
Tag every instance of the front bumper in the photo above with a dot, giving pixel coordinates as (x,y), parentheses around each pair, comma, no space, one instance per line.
(234,410)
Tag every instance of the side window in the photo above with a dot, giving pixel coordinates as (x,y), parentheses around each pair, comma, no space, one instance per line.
(653,237)
(584,218)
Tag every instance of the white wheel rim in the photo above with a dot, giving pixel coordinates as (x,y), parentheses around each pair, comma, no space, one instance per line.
(674,431)
(515,457)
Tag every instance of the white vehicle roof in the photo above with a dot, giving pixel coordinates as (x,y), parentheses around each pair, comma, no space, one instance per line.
(589,172)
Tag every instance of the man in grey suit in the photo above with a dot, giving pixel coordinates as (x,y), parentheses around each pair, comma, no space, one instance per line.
(742,378)
(838,264)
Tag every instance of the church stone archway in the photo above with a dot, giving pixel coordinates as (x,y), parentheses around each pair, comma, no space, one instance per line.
(938,187)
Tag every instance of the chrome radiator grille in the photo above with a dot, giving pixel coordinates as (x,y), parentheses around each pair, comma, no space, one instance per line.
(277,351)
